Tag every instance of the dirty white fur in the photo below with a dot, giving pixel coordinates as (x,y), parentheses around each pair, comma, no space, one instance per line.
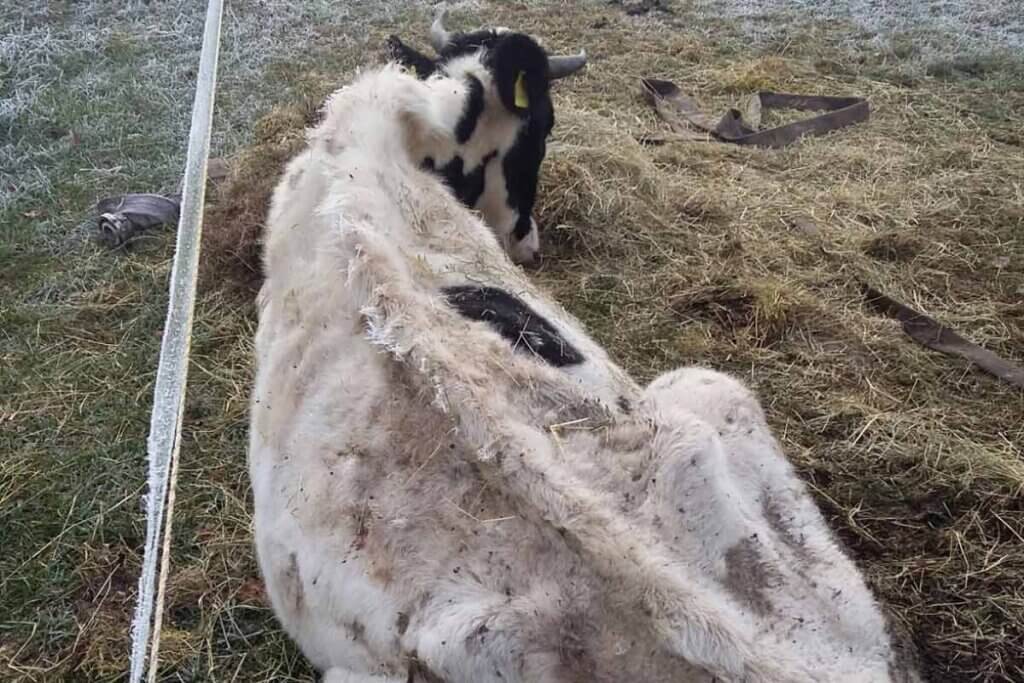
(432,505)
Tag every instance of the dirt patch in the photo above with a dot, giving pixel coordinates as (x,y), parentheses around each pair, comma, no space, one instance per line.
(762,312)
(234,222)
(894,247)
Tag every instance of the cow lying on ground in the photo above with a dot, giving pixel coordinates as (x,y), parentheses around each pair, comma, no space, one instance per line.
(453,482)
(503,123)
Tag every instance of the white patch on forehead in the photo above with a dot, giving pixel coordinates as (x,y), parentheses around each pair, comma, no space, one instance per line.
(465,65)
(496,131)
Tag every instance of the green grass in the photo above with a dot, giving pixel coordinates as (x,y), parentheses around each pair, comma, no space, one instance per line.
(89,112)
(95,100)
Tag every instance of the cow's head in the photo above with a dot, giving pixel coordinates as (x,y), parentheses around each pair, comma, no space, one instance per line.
(500,132)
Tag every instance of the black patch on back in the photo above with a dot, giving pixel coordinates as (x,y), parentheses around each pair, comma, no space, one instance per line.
(525,329)
(467,187)
(471,111)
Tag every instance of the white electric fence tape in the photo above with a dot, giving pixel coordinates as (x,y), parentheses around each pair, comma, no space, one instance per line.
(172,372)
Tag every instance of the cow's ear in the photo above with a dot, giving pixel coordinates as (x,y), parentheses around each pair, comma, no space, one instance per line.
(408,57)
(520,70)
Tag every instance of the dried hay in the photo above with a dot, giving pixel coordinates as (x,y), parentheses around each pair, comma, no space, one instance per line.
(751,261)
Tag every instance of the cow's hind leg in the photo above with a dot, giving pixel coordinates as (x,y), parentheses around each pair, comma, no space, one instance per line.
(753,455)
(715,397)
(734,412)
(812,574)
(753,460)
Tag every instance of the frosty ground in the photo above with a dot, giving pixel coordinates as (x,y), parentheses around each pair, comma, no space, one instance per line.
(915,458)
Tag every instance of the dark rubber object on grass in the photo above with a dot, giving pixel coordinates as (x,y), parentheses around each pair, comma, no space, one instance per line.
(124,217)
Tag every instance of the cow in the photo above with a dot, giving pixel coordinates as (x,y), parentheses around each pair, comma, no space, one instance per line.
(452,481)
(502,127)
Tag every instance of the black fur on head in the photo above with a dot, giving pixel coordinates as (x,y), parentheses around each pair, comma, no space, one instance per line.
(513,54)
(504,54)
(410,58)
(507,56)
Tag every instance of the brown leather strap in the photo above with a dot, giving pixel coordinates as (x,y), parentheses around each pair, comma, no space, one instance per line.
(929,333)
(676,107)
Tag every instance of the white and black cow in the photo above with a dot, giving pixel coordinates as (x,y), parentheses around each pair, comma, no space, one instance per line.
(503,126)
(454,483)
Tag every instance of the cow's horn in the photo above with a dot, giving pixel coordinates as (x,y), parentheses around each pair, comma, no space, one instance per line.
(560,67)
(439,36)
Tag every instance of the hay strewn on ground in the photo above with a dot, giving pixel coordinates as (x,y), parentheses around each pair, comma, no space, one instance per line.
(751,261)
(745,260)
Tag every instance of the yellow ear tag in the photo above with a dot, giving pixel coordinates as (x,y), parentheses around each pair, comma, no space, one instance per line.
(522,101)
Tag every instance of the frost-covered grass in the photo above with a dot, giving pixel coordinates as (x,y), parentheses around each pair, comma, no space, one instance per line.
(95,99)
(911,38)
(944,28)
(120,77)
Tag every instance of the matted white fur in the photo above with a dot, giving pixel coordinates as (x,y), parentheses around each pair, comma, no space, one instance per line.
(432,505)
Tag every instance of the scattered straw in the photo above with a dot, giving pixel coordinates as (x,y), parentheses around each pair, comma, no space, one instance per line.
(750,261)
(692,252)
